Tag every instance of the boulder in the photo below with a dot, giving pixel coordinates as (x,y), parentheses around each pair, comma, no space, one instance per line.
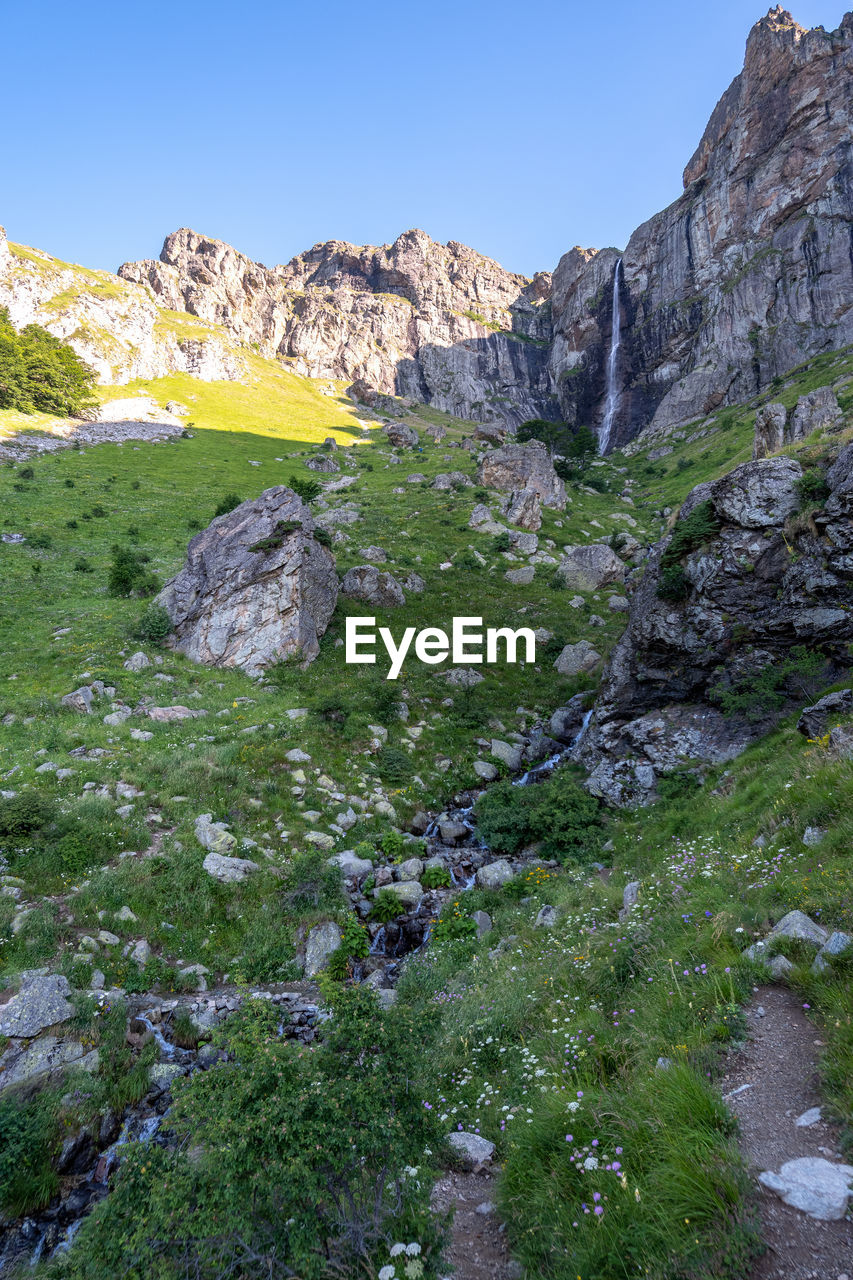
(494,874)
(214,836)
(80,700)
(411,869)
(46,1056)
(521,577)
(577,658)
(588,568)
(508,752)
(323,939)
(769,431)
(472,1150)
(817,1187)
(137,661)
(41,1002)
(524,466)
(566,722)
(796,924)
(228,870)
(322,462)
(483,921)
(836,944)
(817,411)
(758,494)
(366,582)
(524,509)
(814,721)
(490,432)
(409,892)
(452,480)
(351,866)
(256,586)
(546,917)
(484,770)
(401,436)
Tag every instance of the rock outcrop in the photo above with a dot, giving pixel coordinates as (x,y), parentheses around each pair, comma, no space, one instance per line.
(256,587)
(749,272)
(115,326)
(436,323)
(516,467)
(741,607)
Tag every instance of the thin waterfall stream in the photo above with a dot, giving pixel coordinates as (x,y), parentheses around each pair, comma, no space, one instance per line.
(611,401)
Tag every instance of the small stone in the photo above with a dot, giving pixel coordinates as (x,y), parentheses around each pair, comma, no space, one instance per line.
(137,661)
(808,1118)
(546,917)
(472,1150)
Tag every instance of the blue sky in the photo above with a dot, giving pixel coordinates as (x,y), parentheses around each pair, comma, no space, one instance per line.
(521,129)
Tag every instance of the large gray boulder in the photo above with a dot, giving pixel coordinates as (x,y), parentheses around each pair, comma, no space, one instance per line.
(323,939)
(588,568)
(524,466)
(577,658)
(401,436)
(769,434)
(819,410)
(366,582)
(471,1149)
(524,509)
(41,1002)
(815,719)
(228,870)
(494,874)
(759,494)
(256,586)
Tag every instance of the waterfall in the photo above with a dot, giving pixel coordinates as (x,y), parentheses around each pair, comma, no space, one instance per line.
(611,402)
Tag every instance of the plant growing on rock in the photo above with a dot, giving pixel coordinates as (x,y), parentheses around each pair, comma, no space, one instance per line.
(387,907)
(435,878)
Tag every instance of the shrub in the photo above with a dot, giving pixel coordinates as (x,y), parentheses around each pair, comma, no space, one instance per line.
(40,372)
(153,625)
(812,487)
(329,1195)
(228,503)
(364,849)
(40,541)
(98,511)
(393,845)
(557,813)
(673,585)
(501,542)
(128,574)
(761,693)
(28,1137)
(322,536)
(307,490)
(27,473)
(25,813)
(387,907)
(394,765)
(82,565)
(436,878)
(688,535)
(355,941)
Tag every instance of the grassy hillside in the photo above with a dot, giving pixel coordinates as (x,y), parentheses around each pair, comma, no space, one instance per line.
(546,1040)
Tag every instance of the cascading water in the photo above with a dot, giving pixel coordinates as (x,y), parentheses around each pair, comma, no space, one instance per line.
(611,401)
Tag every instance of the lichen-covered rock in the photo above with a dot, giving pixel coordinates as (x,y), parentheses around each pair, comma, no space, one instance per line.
(590,567)
(746,606)
(576,658)
(228,870)
(401,435)
(524,509)
(41,1002)
(769,435)
(366,582)
(817,411)
(495,874)
(524,466)
(256,587)
(815,720)
(323,939)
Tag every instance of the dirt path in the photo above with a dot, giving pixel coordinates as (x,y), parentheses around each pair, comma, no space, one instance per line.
(478,1250)
(769,1085)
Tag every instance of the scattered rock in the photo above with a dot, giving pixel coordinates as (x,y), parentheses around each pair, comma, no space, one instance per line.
(228,870)
(814,720)
(172,715)
(813,1185)
(41,1002)
(798,925)
(494,874)
(577,658)
(589,568)
(366,582)
(510,754)
(473,1151)
(137,661)
(214,836)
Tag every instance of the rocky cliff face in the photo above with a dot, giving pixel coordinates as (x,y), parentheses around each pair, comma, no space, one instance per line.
(114,326)
(746,604)
(747,274)
(437,323)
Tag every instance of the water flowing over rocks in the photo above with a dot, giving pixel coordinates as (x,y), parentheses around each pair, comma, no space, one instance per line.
(256,587)
(751,595)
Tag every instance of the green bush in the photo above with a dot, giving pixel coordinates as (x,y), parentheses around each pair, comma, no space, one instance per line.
(128,574)
(394,765)
(501,542)
(435,878)
(673,584)
(307,490)
(557,813)
(82,565)
(393,845)
(24,814)
(29,1133)
(688,535)
(38,372)
(812,487)
(387,907)
(153,625)
(286,1163)
(765,692)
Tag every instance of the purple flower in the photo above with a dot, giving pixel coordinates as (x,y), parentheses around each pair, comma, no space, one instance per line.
(599,1209)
